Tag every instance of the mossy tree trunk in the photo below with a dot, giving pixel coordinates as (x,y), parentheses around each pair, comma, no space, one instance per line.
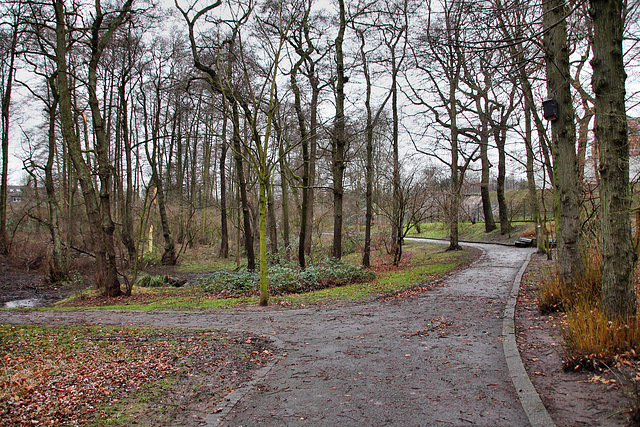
(611,129)
(565,166)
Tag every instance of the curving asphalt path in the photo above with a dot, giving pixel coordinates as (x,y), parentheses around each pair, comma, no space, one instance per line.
(432,359)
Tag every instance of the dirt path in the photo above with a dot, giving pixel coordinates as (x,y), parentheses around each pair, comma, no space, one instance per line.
(432,359)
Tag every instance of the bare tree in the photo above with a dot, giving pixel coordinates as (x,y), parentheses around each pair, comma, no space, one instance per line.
(442,63)
(8,54)
(98,207)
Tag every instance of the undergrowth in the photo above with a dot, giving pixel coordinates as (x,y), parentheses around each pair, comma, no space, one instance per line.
(287,278)
(592,340)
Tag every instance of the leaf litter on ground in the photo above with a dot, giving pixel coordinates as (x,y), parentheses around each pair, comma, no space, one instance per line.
(65,375)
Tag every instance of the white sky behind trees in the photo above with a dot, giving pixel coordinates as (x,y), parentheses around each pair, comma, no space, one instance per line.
(28,113)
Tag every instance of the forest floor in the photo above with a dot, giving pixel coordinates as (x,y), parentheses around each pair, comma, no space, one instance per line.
(572,398)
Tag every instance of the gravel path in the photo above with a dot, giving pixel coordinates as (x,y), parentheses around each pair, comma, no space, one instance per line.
(432,359)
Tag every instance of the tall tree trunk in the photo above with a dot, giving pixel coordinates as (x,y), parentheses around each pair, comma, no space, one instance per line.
(398,202)
(565,168)
(313,152)
(224,227)
(500,136)
(242,186)
(207,148)
(169,255)
(58,266)
(262,205)
(531,178)
(126,195)
(369,167)
(366,254)
(454,196)
(339,139)
(618,257)
(6,104)
(489,222)
(304,143)
(284,186)
(272,224)
(98,210)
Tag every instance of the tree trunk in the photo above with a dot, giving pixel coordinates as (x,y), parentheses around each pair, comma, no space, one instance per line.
(101,230)
(58,266)
(565,168)
(489,222)
(169,255)
(611,130)
(366,254)
(313,149)
(454,197)
(500,136)
(242,186)
(271,222)
(224,227)
(304,143)
(127,202)
(398,202)
(284,186)
(153,156)
(339,139)
(531,178)
(262,203)
(6,104)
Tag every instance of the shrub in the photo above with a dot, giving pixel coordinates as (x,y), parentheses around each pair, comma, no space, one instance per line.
(149,281)
(288,278)
(240,281)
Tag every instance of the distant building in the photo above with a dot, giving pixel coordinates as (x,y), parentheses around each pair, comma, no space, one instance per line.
(15,194)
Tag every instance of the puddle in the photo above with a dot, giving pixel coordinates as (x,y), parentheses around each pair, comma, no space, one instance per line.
(24,303)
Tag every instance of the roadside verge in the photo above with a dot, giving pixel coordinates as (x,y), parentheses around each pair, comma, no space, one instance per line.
(531,402)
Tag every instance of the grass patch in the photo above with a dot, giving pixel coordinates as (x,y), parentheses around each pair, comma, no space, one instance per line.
(594,341)
(205,264)
(473,232)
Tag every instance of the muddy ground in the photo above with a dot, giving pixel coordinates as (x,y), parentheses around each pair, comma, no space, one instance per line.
(572,398)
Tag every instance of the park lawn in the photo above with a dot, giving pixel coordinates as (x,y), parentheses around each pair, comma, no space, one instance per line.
(422,263)
(472,232)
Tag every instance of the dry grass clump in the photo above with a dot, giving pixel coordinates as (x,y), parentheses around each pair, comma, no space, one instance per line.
(555,295)
(591,338)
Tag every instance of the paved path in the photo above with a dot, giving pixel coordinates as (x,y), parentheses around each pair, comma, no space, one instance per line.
(432,359)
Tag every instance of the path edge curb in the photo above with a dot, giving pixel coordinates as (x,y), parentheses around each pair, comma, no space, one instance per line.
(529,398)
